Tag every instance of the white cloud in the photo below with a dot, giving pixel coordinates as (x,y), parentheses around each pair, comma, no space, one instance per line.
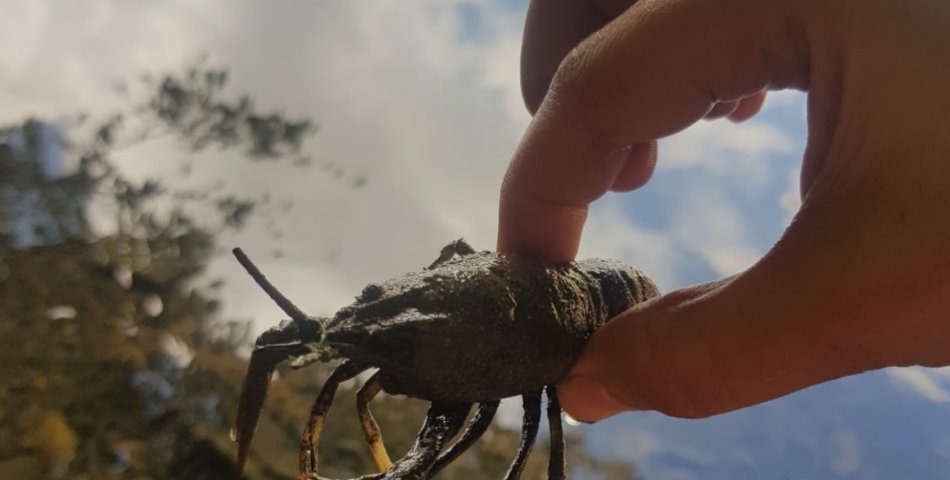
(60,56)
(721,158)
(731,260)
(722,147)
(784,99)
(920,381)
(791,199)
(610,234)
(402,95)
(498,59)
(844,456)
(636,445)
(709,223)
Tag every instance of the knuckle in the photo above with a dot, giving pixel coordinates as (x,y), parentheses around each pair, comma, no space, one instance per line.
(572,72)
(582,90)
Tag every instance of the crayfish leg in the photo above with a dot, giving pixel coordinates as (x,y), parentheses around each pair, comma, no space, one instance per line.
(459,247)
(443,421)
(264,360)
(371,432)
(476,428)
(529,431)
(556,463)
(318,412)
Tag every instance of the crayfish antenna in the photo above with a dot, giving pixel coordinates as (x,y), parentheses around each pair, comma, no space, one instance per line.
(273,347)
(295,313)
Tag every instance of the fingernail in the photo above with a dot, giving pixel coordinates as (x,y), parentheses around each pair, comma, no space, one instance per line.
(587,400)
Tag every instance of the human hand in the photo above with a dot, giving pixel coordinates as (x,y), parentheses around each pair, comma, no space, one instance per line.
(861,278)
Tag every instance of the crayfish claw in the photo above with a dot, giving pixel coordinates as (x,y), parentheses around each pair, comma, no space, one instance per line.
(371,476)
(476,428)
(442,423)
(264,360)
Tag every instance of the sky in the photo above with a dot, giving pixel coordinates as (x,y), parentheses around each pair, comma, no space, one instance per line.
(422,97)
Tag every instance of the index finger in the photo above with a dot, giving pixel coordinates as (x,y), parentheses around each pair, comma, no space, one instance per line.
(653,71)
(544,205)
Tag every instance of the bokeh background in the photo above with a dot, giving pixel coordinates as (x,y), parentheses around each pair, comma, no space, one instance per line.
(342,142)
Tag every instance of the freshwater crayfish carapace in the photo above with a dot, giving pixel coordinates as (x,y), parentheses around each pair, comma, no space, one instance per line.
(469,330)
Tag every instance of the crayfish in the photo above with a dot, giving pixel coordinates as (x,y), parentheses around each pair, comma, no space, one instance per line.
(470,329)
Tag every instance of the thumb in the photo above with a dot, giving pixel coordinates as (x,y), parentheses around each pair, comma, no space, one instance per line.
(603,382)
(587,399)
(806,313)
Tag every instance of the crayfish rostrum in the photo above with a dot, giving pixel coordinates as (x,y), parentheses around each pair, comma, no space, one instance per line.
(471,329)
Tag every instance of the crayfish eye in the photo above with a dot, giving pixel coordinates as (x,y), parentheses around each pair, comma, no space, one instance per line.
(371,293)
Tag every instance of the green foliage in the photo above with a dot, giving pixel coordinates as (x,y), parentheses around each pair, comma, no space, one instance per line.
(192,107)
(116,367)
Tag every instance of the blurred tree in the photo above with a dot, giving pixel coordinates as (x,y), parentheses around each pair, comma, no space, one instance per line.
(114,363)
